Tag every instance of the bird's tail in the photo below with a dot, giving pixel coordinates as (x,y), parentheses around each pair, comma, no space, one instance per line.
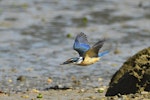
(103,53)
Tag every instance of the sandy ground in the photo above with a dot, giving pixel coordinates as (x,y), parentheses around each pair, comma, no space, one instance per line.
(71,94)
(54,95)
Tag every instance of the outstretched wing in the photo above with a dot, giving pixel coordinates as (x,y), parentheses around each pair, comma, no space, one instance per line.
(81,44)
(93,52)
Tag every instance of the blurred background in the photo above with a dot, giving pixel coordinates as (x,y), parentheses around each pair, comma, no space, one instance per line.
(36,36)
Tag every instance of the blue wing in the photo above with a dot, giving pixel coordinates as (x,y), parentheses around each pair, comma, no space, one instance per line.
(81,44)
(103,53)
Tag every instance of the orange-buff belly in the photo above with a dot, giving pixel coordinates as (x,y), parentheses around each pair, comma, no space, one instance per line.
(89,61)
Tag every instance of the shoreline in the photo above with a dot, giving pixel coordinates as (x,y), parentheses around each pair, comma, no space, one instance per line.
(70,94)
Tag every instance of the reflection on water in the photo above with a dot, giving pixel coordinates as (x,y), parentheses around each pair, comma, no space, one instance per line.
(33,40)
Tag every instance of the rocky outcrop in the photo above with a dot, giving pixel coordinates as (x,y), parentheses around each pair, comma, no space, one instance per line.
(133,76)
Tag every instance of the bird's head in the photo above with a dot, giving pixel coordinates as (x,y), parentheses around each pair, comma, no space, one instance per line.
(75,60)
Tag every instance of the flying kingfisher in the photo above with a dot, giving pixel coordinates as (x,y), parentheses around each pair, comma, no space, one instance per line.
(87,55)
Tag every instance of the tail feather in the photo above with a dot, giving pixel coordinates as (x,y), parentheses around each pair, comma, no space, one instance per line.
(103,53)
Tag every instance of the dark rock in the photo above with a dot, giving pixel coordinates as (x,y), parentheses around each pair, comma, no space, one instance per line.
(133,76)
(57,87)
(21,78)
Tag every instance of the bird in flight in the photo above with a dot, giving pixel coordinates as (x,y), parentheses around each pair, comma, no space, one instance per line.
(87,55)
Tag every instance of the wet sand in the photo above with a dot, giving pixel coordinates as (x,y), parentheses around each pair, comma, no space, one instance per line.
(90,94)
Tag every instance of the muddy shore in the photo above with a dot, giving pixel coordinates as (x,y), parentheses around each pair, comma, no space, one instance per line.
(37,36)
(90,94)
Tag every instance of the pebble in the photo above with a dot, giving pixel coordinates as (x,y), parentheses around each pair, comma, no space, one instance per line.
(21,78)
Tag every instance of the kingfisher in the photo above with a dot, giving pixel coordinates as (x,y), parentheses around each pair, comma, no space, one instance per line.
(87,55)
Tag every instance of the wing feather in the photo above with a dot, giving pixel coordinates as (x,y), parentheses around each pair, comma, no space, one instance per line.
(93,52)
(81,44)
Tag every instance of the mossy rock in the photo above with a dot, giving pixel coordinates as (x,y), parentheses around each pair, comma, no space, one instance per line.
(133,76)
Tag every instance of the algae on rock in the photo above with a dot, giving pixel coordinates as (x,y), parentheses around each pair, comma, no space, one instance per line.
(133,76)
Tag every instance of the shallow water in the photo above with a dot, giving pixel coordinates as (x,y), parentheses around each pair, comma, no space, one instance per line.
(34,42)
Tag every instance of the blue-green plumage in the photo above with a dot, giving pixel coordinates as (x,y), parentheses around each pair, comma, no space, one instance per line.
(81,44)
(103,53)
(87,55)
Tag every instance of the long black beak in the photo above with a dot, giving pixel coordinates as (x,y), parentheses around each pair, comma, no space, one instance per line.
(66,62)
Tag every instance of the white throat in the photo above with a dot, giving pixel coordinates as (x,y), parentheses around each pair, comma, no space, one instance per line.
(79,60)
